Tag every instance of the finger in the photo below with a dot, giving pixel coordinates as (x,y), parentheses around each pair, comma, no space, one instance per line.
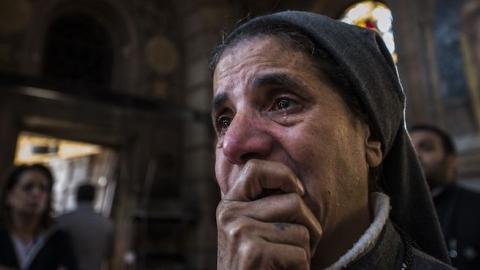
(266,255)
(288,234)
(282,233)
(258,177)
(283,208)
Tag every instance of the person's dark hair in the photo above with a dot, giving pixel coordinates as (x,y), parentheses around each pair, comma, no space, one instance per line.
(86,193)
(447,141)
(297,40)
(12,180)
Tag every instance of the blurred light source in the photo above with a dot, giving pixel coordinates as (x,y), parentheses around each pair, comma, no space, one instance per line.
(376,16)
(384,18)
(359,10)
(102,181)
(388,39)
(32,148)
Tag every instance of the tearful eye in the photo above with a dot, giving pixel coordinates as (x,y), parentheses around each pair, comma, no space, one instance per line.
(283,104)
(223,122)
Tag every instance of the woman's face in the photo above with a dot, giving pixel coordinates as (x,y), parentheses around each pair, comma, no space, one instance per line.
(30,194)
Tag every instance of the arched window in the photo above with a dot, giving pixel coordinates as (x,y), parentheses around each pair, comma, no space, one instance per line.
(78,51)
(373,15)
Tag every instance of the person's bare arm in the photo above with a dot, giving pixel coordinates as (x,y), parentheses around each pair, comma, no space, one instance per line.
(263,222)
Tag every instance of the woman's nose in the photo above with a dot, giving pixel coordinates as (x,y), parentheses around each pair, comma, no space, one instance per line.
(246,138)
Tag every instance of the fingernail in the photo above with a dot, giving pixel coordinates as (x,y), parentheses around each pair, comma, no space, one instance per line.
(300,185)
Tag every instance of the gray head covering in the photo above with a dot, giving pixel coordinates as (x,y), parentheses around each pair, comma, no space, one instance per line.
(366,62)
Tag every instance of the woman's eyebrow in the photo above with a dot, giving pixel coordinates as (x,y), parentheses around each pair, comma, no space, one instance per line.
(218,101)
(270,80)
(276,79)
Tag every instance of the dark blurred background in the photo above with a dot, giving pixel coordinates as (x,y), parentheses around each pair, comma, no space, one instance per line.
(117,93)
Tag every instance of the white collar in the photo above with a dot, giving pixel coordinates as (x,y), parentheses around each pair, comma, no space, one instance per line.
(27,252)
(380,203)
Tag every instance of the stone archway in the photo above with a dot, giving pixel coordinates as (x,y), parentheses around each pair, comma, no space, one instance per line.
(78,51)
(108,14)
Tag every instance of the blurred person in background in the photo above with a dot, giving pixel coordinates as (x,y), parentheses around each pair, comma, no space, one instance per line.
(28,238)
(458,208)
(92,233)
